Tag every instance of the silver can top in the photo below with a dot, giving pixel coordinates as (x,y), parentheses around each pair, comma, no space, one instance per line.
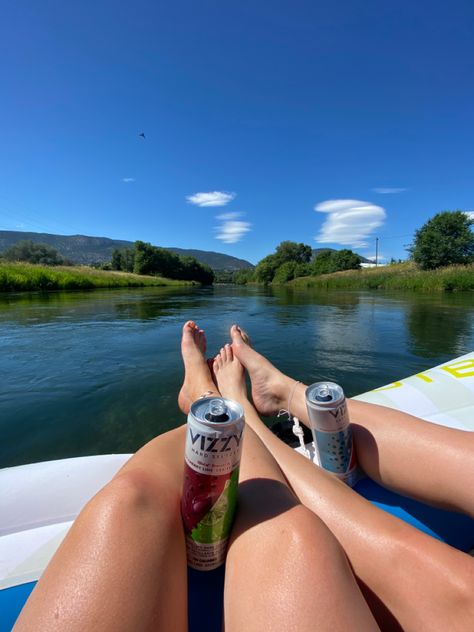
(216,410)
(324,394)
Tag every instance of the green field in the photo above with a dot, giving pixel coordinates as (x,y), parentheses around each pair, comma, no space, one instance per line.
(15,277)
(403,276)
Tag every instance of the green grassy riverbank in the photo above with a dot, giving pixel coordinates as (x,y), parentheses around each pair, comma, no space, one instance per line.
(17,277)
(403,276)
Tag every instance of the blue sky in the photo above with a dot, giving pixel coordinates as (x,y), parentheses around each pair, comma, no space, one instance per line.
(363,109)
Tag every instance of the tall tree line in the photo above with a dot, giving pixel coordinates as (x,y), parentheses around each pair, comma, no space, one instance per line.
(144,258)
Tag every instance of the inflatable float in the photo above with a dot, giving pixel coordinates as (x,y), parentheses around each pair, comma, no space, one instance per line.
(39,502)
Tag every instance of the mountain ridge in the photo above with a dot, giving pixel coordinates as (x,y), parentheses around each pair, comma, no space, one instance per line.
(86,250)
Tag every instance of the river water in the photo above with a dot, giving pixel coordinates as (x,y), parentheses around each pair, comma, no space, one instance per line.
(98,372)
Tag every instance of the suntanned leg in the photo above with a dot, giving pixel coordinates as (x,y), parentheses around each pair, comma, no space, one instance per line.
(284,570)
(122,566)
(197,376)
(417,458)
(425,584)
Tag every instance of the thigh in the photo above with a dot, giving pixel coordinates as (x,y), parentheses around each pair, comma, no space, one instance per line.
(285,570)
(122,566)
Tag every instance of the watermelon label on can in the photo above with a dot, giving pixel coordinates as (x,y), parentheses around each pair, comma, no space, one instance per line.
(206,542)
(209,499)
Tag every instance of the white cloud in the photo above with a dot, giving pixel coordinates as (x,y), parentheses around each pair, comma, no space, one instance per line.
(128,179)
(470,214)
(373,257)
(231,229)
(349,222)
(385,190)
(225,216)
(212,198)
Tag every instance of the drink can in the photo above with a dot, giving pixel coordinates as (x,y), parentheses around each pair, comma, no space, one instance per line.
(211,475)
(332,431)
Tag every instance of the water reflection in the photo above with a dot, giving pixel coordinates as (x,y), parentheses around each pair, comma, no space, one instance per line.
(446,330)
(291,296)
(99,371)
(31,308)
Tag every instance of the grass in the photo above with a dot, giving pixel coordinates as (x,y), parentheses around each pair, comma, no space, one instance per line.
(16,277)
(403,276)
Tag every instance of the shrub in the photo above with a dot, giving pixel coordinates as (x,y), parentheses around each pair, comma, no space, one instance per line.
(445,239)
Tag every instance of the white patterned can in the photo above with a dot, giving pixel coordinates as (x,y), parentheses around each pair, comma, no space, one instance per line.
(332,431)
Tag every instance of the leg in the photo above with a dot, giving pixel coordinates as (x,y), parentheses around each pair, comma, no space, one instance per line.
(123,564)
(280,547)
(197,377)
(391,445)
(393,560)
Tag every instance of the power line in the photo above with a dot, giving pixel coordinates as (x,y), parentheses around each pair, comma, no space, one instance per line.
(397,236)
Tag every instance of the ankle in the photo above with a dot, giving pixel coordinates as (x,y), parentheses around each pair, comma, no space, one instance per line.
(239,396)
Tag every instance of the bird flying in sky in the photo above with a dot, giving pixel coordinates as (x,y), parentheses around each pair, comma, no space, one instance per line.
(142,135)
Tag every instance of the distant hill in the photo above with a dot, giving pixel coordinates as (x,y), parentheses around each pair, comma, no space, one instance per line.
(90,250)
(317,251)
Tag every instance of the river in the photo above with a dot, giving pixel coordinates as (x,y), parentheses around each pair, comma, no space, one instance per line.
(98,372)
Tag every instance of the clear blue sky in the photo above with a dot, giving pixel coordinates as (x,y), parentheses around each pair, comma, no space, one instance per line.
(285,105)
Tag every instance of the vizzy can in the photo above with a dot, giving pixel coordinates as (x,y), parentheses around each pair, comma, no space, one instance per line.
(332,431)
(211,475)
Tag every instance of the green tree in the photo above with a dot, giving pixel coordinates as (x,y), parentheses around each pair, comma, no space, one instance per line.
(33,253)
(302,269)
(334,261)
(323,263)
(445,239)
(286,272)
(190,269)
(292,251)
(243,276)
(223,276)
(345,259)
(128,259)
(286,252)
(144,258)
(266,268)
(116,262)
(151,260)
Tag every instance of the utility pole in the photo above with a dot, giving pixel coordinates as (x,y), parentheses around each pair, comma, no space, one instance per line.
(376,251)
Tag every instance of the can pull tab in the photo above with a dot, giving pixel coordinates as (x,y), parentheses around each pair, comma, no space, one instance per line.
(217,411)
(323,394)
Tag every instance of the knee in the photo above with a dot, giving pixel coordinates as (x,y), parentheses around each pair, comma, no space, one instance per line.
(138,492)
(299,534)
(461,595)
(298,543)
(311,538)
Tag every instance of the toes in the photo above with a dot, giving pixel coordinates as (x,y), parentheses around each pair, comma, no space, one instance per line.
(201,339)
(241,349)
(188,327)
(228,353)
(239,336)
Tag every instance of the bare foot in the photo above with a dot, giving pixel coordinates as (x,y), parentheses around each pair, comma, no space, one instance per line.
(270,387)
(197,377)
(230,375)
